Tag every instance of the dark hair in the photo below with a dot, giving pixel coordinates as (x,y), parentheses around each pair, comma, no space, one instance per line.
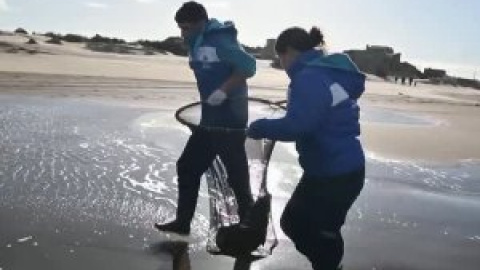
(299,39)
(191,12)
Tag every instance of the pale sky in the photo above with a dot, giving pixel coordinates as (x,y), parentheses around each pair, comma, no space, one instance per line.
(436,33)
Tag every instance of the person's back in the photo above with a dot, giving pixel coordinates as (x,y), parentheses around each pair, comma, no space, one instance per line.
(336,84)
(323,115)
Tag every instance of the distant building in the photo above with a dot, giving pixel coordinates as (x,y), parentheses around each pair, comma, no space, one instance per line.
(431,73)
(268,51)
(383,62)
(380,49)
(379,60)
(407,70)
(468,83)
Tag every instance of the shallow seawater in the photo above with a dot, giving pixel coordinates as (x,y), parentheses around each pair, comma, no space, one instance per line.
(377,115)
(92,174)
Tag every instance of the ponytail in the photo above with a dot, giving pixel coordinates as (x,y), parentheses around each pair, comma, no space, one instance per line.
(299,39)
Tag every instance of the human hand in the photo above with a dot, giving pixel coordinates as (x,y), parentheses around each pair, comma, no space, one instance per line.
(254,130)
(217,97)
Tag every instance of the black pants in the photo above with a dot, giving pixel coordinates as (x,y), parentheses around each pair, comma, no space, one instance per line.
(315,214)
(200,151)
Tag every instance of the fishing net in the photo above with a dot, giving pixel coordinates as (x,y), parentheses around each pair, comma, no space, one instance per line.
(256,236)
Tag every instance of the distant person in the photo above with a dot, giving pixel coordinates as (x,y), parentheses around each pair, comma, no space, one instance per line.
(323,120)
(403,80)
(410,81)
(396,79)
(221,68)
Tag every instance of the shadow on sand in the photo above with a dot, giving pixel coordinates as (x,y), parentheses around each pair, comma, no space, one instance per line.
(181,259)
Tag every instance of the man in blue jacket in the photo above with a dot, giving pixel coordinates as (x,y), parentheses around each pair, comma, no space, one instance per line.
(221,68)
(323,120)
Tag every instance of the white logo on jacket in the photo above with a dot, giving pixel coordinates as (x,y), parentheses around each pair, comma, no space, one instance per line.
(338,94)
(207,55)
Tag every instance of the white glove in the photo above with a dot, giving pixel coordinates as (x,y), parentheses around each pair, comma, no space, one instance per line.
(216,98)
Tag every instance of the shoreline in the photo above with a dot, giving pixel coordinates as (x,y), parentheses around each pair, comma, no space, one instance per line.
(453,139)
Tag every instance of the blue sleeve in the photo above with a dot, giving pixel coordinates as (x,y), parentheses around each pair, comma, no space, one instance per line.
(230,51)
(308,105)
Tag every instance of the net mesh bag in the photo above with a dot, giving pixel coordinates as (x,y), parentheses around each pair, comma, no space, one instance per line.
(255,237)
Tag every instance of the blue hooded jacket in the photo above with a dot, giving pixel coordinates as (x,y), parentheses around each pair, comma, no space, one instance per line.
(322,114)
(215,55)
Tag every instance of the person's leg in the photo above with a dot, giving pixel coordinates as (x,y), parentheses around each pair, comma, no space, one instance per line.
(324,249)
(296,224)
(196,157)
(294,218)
(321,241)
(231,149)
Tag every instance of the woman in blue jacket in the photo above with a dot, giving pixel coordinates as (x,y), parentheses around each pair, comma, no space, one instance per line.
(323,120)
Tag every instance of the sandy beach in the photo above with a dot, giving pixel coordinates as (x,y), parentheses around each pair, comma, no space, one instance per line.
(89,144)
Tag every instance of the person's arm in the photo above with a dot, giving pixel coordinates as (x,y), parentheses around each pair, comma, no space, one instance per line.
(308,107)
(235,80)
(242,63)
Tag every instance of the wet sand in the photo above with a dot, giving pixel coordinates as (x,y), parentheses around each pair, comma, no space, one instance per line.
(84,179)
(83,182)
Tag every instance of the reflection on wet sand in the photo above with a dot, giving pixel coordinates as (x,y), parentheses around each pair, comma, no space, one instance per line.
(181,259)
